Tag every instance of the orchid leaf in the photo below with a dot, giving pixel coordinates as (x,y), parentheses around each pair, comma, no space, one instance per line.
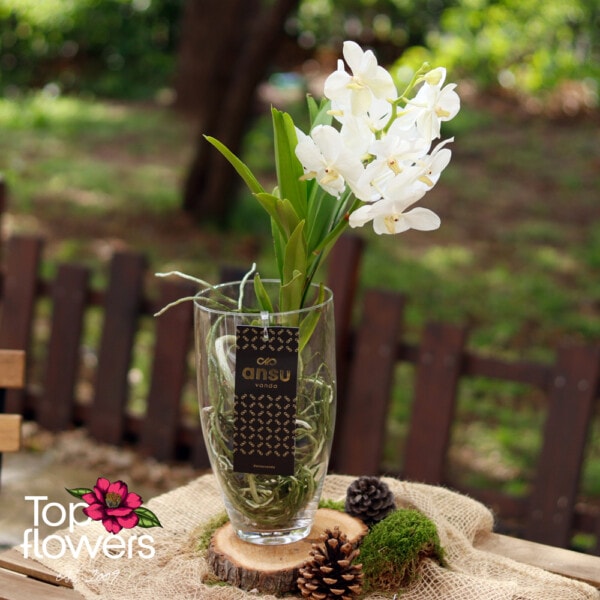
(313,108)
(309,323)
(295,253)
(261,294)
(284,221)
(294,270)
(281,210)
(287,215)
(269,203)
(279,235)
(338,229)
(291,292)
(322,250)
(289,169)
(243,171)
(322,210)
(279,242)
(319,113)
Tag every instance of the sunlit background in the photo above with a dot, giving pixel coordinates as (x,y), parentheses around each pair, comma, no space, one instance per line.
(102,103)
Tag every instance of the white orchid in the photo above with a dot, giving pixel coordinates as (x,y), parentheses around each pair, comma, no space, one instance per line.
(393,154)
(326,157)
(434,104)
(432,165)
(357,135)
(367,82)
(368,158)
(390,216)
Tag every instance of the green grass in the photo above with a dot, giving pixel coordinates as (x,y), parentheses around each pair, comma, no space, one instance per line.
(516,258)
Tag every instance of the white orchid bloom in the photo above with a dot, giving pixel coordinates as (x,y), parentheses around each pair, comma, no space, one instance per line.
(432,165)
(389,217)
(357,135)
(434,104)
(435,76)
(376,117)
(368,81)
(394,150)
(325,157)
(373,183)
(394,154)
(368,187)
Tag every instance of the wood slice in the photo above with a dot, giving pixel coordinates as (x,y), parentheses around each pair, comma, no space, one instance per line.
(273,569)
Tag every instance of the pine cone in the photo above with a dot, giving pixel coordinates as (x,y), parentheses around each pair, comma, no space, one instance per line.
(330,574)
(369,499)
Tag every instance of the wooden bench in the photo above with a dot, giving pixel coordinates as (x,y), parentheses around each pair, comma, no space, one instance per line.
(12,376)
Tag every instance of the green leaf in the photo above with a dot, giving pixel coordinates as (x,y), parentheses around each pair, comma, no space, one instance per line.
(291,293)
(338,229)
(294,271)
(295,256)
(289,169)
(281,210)
(261,294)
(309,323)
(269,203)
(313,108)
(287,216)
(243,171)
(279,242)
(319,114)
(79,492)
(147,517)
(323,208)
(278,232)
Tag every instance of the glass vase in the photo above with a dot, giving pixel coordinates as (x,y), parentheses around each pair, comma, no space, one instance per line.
(267,395)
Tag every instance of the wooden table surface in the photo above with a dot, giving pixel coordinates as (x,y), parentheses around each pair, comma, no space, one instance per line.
(26,579)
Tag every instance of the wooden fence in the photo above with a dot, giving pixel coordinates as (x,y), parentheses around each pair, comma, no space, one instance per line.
(368,357)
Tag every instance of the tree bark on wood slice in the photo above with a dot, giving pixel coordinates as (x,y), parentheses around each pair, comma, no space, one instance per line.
(273,569)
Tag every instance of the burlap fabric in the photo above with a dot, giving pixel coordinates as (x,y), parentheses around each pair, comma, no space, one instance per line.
(177,571)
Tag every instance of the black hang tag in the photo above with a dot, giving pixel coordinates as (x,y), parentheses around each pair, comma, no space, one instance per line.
(266,369)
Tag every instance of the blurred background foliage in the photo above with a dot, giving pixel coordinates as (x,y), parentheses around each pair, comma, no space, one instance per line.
(527,45)
(110,48)
(517,257)
(127,48)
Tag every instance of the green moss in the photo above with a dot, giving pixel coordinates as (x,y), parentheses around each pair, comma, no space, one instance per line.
(393,549)
(207,530)
(332,504)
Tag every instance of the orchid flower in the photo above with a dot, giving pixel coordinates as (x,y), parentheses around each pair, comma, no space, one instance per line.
(368,80)
(434,104)
(389,214)
(389,217)
(325,157)
(393,154)
(367,158)
(433,164)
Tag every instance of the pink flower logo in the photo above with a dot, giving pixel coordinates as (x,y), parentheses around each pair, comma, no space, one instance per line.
(115,506)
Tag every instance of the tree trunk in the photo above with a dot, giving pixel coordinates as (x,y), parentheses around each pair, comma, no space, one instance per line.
(239,38)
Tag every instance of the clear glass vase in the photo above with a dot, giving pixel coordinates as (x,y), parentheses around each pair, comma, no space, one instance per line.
(267,395)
